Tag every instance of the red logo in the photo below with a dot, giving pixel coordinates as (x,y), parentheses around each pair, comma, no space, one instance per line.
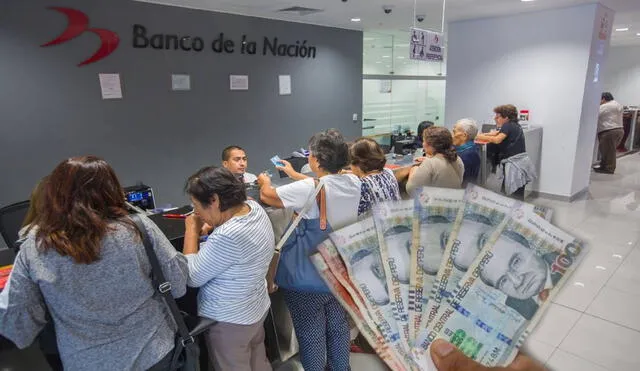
(78,23)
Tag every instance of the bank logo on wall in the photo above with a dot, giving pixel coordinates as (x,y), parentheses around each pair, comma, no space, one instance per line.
(78,23)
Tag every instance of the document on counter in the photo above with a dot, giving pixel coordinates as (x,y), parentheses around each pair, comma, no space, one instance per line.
(110,85)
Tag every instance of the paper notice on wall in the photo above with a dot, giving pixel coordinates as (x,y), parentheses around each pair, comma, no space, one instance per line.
(110,85)
(284,82)
(426,45)
(180,82)
(239,82)
(385,86)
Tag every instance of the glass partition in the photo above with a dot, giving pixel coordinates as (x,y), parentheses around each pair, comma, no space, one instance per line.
(398,93)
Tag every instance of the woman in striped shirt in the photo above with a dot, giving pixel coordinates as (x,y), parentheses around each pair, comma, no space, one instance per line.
(230,268)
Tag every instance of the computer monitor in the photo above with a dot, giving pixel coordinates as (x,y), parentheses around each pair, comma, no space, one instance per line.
(141,196)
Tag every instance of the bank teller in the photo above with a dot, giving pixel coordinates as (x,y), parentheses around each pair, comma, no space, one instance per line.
(234,158)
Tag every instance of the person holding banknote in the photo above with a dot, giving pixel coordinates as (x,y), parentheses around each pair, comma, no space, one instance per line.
(320,322)
(519,273)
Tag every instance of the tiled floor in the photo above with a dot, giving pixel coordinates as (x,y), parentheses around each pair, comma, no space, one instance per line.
(594,322)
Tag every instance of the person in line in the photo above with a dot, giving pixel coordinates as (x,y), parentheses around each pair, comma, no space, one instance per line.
(446,357)
(84,262)
(320,323)
(464,135)
(421,127)
(230,268)
(47,337)
(610,133)
(442,167)
(378,184)
(515,170)
(234,158)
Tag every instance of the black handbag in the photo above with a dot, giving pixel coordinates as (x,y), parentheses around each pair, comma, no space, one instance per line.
(186,354)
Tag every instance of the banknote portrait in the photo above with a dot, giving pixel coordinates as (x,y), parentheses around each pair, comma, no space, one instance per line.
(476,229)
(398,241)
(520,273)
(367,267)
(434,242)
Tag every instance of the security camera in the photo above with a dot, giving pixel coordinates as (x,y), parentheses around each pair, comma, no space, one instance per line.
(420,17)
(387,9)
(344,1)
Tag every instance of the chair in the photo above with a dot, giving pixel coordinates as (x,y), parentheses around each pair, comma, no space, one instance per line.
(11,218)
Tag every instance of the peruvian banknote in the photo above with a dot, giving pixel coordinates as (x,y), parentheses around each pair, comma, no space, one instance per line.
(435,211)
(346,300)
(394,224)
(481,215)
(506,290)
(360,251)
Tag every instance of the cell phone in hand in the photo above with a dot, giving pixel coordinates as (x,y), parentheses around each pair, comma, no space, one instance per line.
(277,161)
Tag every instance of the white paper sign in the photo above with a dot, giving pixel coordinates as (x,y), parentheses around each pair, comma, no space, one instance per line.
(385,86)
(426,45)
(239,82)
(285,84)
(110,85)
(181,82)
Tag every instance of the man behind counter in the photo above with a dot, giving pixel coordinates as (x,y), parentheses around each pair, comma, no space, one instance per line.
(234,158)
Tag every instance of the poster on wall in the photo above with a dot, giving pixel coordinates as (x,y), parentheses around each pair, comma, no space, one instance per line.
(180,82)
(284,84)
(110,85)
(239,82)
(426,45)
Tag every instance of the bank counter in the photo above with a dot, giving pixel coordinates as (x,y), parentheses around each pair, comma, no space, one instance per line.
(280,339)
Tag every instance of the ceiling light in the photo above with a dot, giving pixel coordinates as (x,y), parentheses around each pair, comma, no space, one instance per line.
(622,29)
(526,1)
(355,19)
(638,34)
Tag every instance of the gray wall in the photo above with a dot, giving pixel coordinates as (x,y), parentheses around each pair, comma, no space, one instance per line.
(51,109)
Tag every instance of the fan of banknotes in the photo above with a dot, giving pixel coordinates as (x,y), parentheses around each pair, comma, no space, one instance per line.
(469,266)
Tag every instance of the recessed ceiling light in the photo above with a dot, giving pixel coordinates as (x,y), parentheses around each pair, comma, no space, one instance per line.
(622,29)
(355,19)
(638,34)
(526,1)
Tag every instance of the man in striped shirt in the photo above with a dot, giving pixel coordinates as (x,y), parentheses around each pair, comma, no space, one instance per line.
(230,268)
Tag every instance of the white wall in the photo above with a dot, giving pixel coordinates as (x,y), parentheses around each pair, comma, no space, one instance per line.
(622,75)
(537,61)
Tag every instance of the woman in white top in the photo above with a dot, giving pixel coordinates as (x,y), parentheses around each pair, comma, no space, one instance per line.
(320,322)
(230,268)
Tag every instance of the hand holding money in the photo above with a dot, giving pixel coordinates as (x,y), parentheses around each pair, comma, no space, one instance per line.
(447,357)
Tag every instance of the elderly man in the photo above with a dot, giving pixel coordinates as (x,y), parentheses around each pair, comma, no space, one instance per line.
(610,132)
(464,134)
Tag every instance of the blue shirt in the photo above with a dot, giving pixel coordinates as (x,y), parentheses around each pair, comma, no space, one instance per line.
(230,269)
(470,156)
